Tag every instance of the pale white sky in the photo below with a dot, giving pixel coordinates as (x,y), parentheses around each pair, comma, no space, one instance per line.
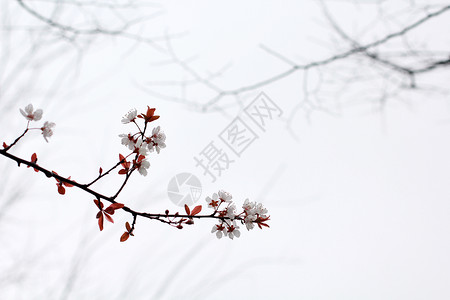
(358,195)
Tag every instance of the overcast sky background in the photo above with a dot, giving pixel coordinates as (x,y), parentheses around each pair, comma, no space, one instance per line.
(357,186)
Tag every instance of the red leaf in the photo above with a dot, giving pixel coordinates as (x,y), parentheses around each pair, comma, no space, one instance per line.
(100,171)
(68,184)
(127,226)
(99,204)
(34,160)
(115,206)
(61,189)
(149,116)
(124,236)
(196,210)
(108,217)
(100,222)
(188,211)
(4,145)
(99,214)
(109,210)
(124,162)
(150,111)
(123,172)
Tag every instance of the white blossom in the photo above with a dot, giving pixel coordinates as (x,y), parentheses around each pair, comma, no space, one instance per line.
(157,140)
(141,147)
(233,231)
(225,196)
(248,206)
(219,230)
(249,223)
(130,116)
(47,130)
(212,202)
(142,167)
(260,210)
(30,115)
(128,140)
(231,211)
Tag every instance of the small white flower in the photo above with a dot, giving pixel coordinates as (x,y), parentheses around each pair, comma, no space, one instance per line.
(212,202)
(260,210)
(249,224)
(128,140)
(130,116)
(142,167)
(157,140)
(47,130)
(249,219)
(219,230)
(231,211)
(141,147)
(225,196)
(30,115)
(233,231)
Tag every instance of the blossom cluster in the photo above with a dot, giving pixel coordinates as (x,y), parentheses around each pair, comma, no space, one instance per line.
(35,115)
(139,143)
(252,213)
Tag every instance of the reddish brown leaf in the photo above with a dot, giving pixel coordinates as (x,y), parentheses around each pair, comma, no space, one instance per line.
(68,184)
(99,214)
(99,204)
(108,217)
(122,172)
(109,210)
(127,226)
(33,160)
(124,162)
(154,118)
(100,171)
(61,189)
(150,111)
(124,236)
(179,226)
(4,145)
(149,116)
(100,222)
(115,206)
(196,210)
(186,208)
